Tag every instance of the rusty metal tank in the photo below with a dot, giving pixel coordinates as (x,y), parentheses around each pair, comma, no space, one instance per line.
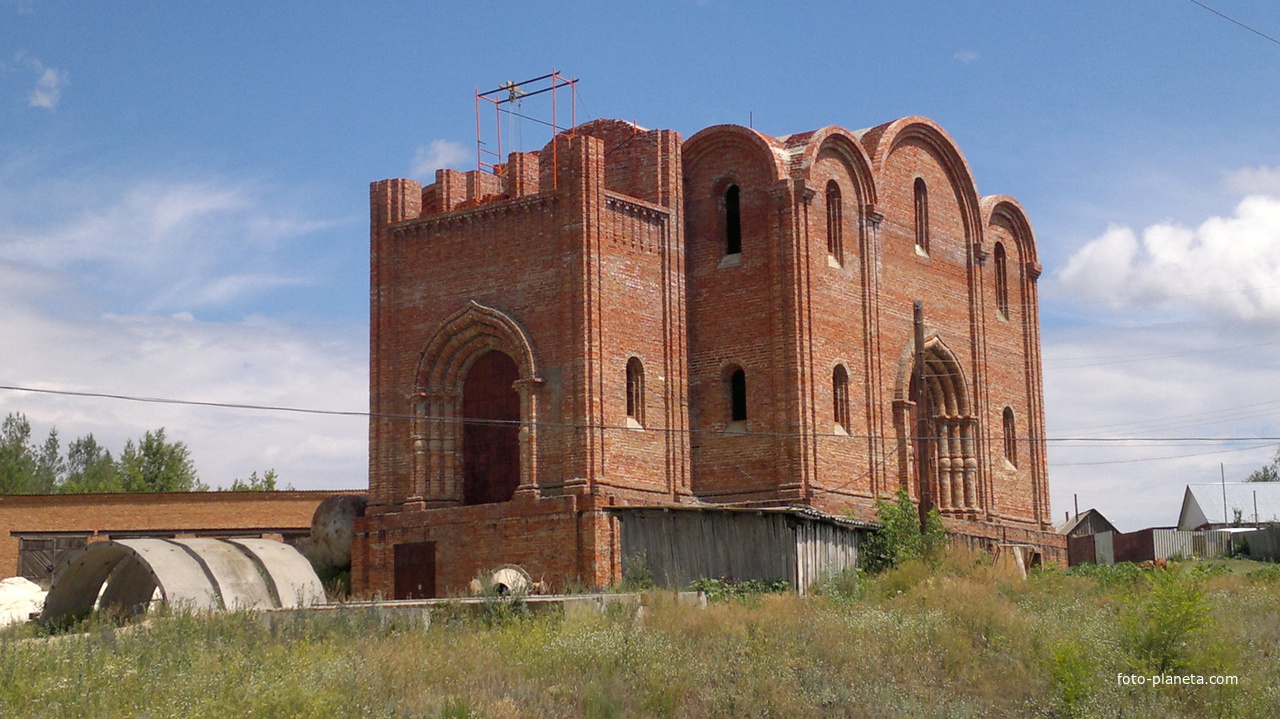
(330,544)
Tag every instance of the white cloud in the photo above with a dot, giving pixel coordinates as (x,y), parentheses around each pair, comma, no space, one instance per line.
(256,361)
(102,286)
(1261,180)
(1173,335)
(439,154)
(1228,267)
(49,84)
(966,56)
(160,246)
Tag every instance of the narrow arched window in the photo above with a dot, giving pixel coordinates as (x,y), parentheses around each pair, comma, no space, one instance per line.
(635,390)
(835,221)
(1010,437)
(922,215)
(732,222)
(1002,281)
(840,396)
(738,396)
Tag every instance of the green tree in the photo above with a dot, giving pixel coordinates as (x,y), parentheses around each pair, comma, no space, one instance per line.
(50,466)
(900,537)
(155,464)
(24,469)
(1268,472)
(90,468)
(265,483)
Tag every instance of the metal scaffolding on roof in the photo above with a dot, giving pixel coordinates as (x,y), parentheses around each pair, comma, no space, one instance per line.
(509,94)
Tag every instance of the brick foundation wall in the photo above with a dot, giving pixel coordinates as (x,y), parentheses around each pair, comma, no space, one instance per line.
(561,541)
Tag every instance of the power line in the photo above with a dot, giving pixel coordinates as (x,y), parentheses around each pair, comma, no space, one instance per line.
(1154,459)
(187,402)
(1214,416)
(1237,22)
(1079,442)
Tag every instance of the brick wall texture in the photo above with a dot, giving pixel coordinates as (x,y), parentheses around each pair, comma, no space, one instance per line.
(726,319)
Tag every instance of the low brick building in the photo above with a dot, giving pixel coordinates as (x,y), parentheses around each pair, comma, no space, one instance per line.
(37,530)
(627,318)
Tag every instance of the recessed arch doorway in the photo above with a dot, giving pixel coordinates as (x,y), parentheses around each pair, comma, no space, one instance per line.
(490,430)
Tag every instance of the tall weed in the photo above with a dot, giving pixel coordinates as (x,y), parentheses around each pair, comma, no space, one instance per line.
(1166,620)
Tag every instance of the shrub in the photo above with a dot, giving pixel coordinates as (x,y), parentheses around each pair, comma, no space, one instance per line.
(1119,575)
(1165,616)
(843,585)
(1072,677)
(900,537)
(719,590)
(637,575)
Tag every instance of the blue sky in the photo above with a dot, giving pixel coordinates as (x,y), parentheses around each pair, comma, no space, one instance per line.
(183,194)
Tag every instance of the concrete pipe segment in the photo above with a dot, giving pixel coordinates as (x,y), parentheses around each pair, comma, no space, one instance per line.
(189,573)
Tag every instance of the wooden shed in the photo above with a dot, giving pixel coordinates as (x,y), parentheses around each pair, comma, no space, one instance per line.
(683,544)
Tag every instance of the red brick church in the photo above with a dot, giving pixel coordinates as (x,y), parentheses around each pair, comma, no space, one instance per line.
(631,319)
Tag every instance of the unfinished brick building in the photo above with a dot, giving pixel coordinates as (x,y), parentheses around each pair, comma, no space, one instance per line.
(630,319)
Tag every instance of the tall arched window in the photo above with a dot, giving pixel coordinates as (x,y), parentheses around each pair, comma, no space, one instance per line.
(1010,437)
(840,396)
(737,395)
(732,222)
(1002,281)
(635,390)
(922,214)
(835,222)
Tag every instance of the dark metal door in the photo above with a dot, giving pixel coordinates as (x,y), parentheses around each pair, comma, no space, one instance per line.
(415,570)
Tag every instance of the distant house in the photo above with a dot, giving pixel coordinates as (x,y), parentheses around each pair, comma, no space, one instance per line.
(1247,504)
(1087,522)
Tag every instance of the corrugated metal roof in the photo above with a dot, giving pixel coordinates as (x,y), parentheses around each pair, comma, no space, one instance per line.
(1240,496)
(795,511)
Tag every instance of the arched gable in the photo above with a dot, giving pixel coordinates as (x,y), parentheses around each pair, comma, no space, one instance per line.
(881,142)
(841,144)
(463,338)
(1004,210)
(767,158)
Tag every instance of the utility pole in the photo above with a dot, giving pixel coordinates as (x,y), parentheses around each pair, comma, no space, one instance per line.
(922,419)
(1222,467)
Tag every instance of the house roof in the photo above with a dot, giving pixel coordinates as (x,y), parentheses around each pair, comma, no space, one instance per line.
(1091,518)
(1203,503)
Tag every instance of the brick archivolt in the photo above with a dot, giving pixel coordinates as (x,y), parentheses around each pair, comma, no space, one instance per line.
(717,139)
(842,145)
(1006,211)
(881,142)
(436,431)
(954,480)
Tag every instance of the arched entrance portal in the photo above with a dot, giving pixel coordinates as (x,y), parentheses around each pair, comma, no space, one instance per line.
(490,430)
(456,382)
(949,441)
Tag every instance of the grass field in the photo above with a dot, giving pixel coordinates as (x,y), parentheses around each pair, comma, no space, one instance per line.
(955,640)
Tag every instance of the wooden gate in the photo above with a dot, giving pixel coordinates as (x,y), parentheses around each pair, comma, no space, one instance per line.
(41,558)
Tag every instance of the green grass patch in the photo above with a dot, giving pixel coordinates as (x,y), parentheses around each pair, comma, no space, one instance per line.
(949,637)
